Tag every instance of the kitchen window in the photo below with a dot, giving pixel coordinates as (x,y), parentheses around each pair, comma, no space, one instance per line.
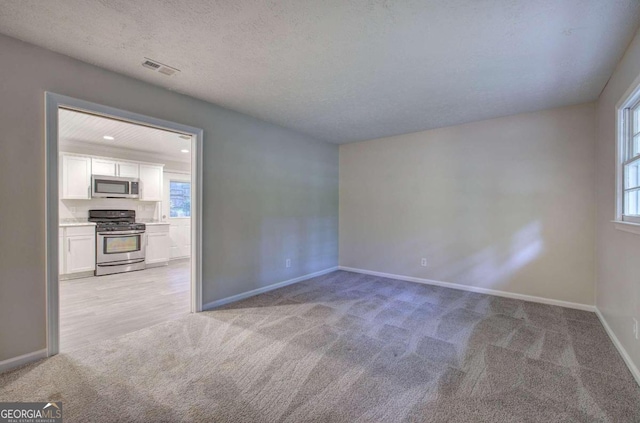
(179,199)
(628,156)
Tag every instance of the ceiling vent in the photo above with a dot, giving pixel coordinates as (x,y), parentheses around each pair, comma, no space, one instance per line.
(159,67)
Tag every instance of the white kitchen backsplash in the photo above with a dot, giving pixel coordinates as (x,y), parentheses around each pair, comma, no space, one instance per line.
(79,209)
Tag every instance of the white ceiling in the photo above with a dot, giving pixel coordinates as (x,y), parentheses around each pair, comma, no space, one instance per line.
(78,129)
(347,70)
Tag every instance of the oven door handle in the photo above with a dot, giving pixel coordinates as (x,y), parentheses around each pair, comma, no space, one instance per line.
(120,233)
(120,263)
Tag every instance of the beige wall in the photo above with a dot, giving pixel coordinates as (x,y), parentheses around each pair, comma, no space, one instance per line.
(504,204)
(618,253)
(269,193)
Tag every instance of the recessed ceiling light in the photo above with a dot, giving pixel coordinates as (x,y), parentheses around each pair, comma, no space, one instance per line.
(108,137)
(184,151)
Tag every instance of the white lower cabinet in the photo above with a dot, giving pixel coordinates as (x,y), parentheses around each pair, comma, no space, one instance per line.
(77,249)
(61,256)
(158,244)
(81,255)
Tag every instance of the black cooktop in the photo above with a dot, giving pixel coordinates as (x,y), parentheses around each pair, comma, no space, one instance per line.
(115,220)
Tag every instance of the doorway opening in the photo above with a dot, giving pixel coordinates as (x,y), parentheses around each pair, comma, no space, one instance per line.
(123,222)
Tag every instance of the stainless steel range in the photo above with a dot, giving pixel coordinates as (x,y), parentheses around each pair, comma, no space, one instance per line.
(120,241)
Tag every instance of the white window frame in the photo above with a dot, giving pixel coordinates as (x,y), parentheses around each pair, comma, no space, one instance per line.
(624,137)
(626,156)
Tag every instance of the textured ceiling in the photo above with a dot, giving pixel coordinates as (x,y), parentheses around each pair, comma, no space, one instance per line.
(76,128)
(348,70)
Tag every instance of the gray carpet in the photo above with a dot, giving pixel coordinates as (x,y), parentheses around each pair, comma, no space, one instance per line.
(346,347)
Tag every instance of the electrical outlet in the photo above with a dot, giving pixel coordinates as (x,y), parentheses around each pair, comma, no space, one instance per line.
(423,262)
(636,328)
(287,263)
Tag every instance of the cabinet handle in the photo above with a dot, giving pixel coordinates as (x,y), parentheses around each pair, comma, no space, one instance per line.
(118,169)
(69,245)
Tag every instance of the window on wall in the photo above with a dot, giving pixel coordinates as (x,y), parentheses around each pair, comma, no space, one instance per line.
(628,172)
(179,199)
(631,164)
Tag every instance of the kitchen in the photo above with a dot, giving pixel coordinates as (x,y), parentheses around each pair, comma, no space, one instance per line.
(124,236)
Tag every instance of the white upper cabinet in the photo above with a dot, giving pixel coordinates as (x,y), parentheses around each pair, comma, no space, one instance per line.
(77,170)
(76,177)
(151,181)
(127,170)
(108,167)
(103,167)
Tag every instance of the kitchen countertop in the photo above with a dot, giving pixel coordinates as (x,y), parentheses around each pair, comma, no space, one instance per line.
(75,222)
(152,222)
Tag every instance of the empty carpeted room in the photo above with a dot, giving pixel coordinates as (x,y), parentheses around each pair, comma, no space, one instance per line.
(387,211)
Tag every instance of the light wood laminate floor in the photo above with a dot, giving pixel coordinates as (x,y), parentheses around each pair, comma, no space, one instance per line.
(98,308)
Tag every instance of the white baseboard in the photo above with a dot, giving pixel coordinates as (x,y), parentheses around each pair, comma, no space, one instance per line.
(79,275)
(474,289)
(14,362)
(264,289)
(625,356)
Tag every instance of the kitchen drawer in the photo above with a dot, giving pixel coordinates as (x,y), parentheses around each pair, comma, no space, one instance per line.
(80,230)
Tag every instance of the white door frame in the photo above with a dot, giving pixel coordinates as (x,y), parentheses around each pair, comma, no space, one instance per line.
(182,176)
(52,103)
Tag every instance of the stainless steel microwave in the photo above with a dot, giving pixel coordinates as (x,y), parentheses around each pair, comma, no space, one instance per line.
(114,187)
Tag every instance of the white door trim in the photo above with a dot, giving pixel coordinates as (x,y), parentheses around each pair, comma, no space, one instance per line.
(52,103)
